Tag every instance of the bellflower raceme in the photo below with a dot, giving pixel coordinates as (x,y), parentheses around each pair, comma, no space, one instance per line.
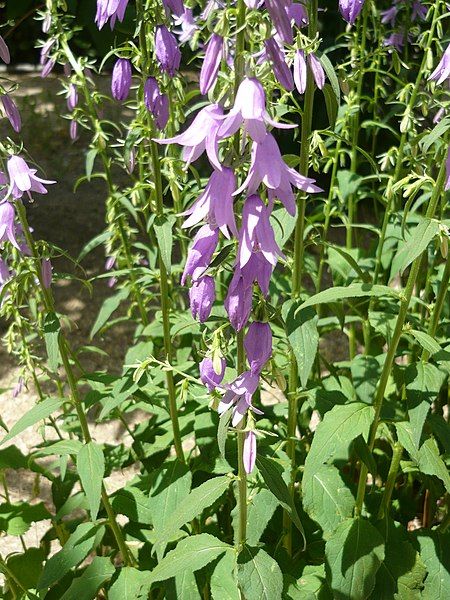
(7,225)
(250,110)
(280,68)
(442,71)
(4,51)
(211,63)
(258,345)
(167,52)
(239,396)
(280,19)
(11,112)
(23,179)
(201,297)
(249,451)
(200,253)
(350,9)
(201,135)
(208,376)
(121,79)
(110,9)
(156,102)
(267,166)
(215,203)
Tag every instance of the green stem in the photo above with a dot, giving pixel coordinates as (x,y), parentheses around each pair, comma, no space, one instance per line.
(242,475)
(390,482)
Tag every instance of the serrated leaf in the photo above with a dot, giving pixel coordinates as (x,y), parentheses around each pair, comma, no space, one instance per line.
(426,341)
(223,579)
(259,575)
(59,448)
(41,411)
(416,243)
(301,329)
(163,225)
(432,464)
(52,328)
(355,290)
(133,503)
(108,307)
(366,372)
(259,513)
(434,552)
(91,469)
(27,567)
(128,584)
(87,585)
(183,586)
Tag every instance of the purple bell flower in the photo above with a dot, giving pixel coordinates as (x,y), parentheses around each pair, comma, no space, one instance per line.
(208,376)
(167,52)
(389,15)
(298,14)
(442,71)
(258,346)
(300,71)
(156,102)
(5,273)
(4,51)
(110,10)
(350,9)
(7,225)
(249,451)
(47,68)
(72,98)
(201,297)
(238,302)
(239,395)
(419,11)
(200,253)
(280,68)
(211,63)
(23,179)
(215,203)
(121,79)
(187,24)
(12,112)
(174,6)
(395,40)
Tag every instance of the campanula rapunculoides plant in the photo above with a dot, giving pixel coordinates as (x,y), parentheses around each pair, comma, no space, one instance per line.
(275,178)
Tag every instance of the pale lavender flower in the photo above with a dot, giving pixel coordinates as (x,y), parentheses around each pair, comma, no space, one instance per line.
(250,110)
(211,63)
(389,15)
(4,51)
(442,71)
(215,203)
(18,387)
(350,9)
(439,116)
(47,23)
(121,79)
(258,345)
(201,135)
(187,25)
(300,71)
(46,272)
(11,112)
(252,4)
(5,273)
(72,97)
(175,6)
(201,297)
(110,10)
(23,179)
(45,51)
(280,68)
(239,396)
(249,451)
(200,253)
(73,130)
(167,52)
(395,40)
(208,376)
(447,171)
(280,19)
(317,70)
(7,225)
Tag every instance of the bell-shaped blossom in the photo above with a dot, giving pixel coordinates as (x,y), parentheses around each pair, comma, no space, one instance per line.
(201,135)
(317,70)
(298,13)
(200,253)
(201,297)
(442,71)
(252,4)
(167,52)
(45,50)
(258,345)
(280,19)
(419,11)
(11,112)
(156,102)
(208,376)
(250,110)
(4,51)
(215,203)
(72,97)
(447,171)
(239,395)
(46,272)
(238,301)
(389,15)
(23,179)
(174,6)
(249,451)
(300,71)
(121,79)
(350,9)
(276,56)
(395,40)
(267,166)
(110,10)
(211,63)
(7,224)
(187,25)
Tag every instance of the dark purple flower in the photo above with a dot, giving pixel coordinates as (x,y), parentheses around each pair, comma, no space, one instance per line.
(300,71)
(46,271)
(7,225)
(12,112)
(395,40)
(280,19)
(211,63)
(201,297)
(200,253)
(4,51)
(442,71)
(208,376)
(350,9)
(389,15)
(23,179)
(298,14)
(215,203)
(156,102)
(258,346)
(110,9)
(239,395)
(167,51)
(121,79)
(280,68)
(249,451)
(419,11)
(72,97)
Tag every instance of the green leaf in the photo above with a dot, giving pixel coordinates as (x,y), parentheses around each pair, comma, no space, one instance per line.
(366,372)
(59,448)
(364,454)
(301,329)
(355,290)
(310,586)
(91,468)
(52,328)
(16,519)
(128,584)
(327,499)
(283,225)
(331,74)
(163,225)
(183,586)
(348,183)
(82,541)
(435,134)
(108,307)
(98,240)
(222,431)
(260,511)
(416,243)
(406,437)
(133,503)
(90,159)
(27,567)
(432,464)
(12,458)
(426,341)
(353,555)
(194,504)
(42,410)
(331,104)
(259,575)
(223,579)
(271,473)
(434,552)
(87,585)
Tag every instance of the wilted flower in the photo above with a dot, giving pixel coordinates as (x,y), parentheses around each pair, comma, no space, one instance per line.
(4,51)
(72,97)
(442,71)
(23,179)
(46,271)
(208,376)
(12,112)
(110,9)
(258,345)
(201,297)
(215,203)
(350,9)
(280,68)
(200,253)
(121,79)
(249,451)
(7,225)
(239,395)
(167,51)
(211,63)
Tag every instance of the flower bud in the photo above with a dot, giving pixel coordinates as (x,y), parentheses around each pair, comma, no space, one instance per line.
(211,63)
(201,296)
(208,375)
(121,79)
(258,346)
(167,52)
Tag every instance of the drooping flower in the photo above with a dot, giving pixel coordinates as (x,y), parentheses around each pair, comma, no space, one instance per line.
(208,376)
(249,451)
(298,14)
(72,97)
(175,6)
(215,203)
(12,112)
(201,297)
(442,71)
(238,301)
(4,51)
(47,68)
(187,24)
(280,19)
(350,9)
(395,40)
(389,15)
(239,395)
(7,225)
(250,110)
(419,11)
(121,79)
(46,272)
(23,179)
(110,10)
(156,102)
(200,253)
(280,68)
(167,52)
(300,71)
(258,345)
(45,50)
(211,63)
(5,273)
(201,135)
(447,171)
